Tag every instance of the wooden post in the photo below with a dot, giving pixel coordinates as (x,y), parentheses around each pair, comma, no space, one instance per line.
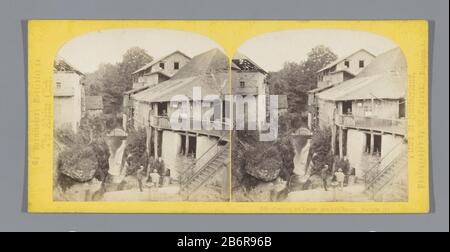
(226,183)
(372,144)
(156,143)
(186,151)
(341,144)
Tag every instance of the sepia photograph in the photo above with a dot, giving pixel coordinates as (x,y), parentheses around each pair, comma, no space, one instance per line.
(299,115)
(342,121)
(115,92)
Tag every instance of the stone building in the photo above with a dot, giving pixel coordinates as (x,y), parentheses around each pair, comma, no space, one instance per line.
(68,95)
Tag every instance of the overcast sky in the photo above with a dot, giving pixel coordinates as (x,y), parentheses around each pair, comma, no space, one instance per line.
(87,51)
(271,50)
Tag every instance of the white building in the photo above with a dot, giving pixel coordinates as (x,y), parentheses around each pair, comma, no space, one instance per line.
(159,70)
(68,95)
(368,118)
(195,157)
(153,73)
(344,68)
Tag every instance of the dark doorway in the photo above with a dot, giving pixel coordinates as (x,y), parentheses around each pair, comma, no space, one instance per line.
(183,145)
(377,144)
(192,150)
(160,135)
(401,108)
(368,142)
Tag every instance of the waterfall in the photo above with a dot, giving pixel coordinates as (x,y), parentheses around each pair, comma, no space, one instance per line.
(116,141)
(301,159)
(115,160)
(302,144)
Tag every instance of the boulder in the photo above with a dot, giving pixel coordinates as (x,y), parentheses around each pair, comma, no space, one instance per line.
(79,164)
(264,165)
(266,171)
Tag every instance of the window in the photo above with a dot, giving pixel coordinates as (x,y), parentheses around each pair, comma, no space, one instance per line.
(242,84)
(347,107)
(361,63)
(347,63)
(58,84)
(161,65)
(176,65)
(367,110)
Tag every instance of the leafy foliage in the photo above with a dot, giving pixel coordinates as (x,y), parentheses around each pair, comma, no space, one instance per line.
(85,154)
(321,146)
(295,79)
(112,80)
(136,146)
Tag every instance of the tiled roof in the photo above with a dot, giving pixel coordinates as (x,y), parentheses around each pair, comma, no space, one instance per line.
(243,62)
(209,71)
(62,65)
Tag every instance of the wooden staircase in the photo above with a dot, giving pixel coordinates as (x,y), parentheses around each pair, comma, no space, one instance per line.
(378,177)
(216,158)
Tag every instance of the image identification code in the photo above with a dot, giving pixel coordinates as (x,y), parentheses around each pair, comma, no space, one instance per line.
(225,241)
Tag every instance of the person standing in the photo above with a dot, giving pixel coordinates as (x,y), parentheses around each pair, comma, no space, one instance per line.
(140,177)
(340,177)
(155,178)
(324,176)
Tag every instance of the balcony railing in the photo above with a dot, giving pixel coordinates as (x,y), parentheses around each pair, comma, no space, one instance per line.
(163,122)
(396,126)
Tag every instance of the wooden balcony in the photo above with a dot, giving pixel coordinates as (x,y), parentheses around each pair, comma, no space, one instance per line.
(395,126)
(163,122)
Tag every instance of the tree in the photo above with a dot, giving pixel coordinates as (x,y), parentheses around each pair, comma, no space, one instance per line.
(112,80)
(295,79)
(321,146)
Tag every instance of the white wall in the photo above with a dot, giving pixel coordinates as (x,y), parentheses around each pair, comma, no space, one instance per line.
(355,150)
(326,112)
(203,144)
(391,147)
(169,64)
(354,62)
(170,147)
(141,114)
(68,99)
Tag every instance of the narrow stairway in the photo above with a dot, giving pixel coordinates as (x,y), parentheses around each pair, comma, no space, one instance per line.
(387,173)
(191,183)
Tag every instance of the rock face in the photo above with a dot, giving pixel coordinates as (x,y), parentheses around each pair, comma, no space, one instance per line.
(268,170)
(79,165)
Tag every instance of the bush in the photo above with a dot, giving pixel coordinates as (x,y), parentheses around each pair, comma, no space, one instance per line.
(321,146)
(85,153)
(136,146)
